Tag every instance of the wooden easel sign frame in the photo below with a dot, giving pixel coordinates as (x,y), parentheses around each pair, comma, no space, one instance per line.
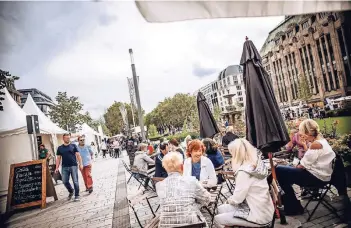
(23,171)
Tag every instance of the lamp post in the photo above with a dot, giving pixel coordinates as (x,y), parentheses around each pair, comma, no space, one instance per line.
(137,96)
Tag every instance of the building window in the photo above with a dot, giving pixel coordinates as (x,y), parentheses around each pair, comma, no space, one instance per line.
(277,42)
(236,83)
(240,99)
(238,87)
(240,93)
(313,71)
(333,64)
(325,82)
(345,58)
(305,25)
(277,80)
(235,78)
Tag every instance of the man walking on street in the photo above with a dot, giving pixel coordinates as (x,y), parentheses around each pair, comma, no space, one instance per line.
(87,156)
(69,155)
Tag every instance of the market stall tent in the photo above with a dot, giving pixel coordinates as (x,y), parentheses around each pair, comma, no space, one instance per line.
(50,133)
(90,134)
(15,143)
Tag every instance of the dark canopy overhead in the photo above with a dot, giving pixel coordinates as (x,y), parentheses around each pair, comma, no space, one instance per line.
(208,125)
(265,127)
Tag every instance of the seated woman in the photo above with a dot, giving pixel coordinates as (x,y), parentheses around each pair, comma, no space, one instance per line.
(315,167)
(179,194)
(142,162)
(159,169)
(198,165)
(251,204)
(295,140)
(215,156)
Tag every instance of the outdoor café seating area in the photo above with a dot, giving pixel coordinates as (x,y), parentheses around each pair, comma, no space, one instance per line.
(324,210)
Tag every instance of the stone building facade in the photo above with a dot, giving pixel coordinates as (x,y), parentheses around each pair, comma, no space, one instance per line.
(315,46)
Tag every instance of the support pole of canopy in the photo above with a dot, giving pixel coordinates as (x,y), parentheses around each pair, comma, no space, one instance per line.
(280,206)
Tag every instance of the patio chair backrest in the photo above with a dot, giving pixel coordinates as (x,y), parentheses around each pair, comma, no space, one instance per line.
(338,178)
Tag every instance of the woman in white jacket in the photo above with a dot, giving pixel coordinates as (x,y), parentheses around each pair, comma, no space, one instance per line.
(198,165)
(251,204)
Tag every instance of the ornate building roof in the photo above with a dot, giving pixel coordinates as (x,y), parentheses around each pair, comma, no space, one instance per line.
(230,70)
(288,24)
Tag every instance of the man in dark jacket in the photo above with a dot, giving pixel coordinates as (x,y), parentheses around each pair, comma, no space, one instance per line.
(159,170)
(228,138)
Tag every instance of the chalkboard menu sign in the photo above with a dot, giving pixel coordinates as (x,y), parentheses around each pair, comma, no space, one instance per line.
(27,185)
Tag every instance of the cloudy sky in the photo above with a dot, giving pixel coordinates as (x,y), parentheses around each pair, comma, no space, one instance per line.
(82,48)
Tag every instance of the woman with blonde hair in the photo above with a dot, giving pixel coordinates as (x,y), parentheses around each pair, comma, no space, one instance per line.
(315,168)
(251,204)
(179,195)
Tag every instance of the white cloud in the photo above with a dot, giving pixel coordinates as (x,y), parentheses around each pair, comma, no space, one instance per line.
(94,66)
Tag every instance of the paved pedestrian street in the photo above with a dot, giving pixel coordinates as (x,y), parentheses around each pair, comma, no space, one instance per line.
(94,210)
(107,206)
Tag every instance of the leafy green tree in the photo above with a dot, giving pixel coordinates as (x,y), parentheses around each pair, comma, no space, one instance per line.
(67,112)
(304,91)
(217,113)
(113,117)
(8,81)
(152,130)
(174,111)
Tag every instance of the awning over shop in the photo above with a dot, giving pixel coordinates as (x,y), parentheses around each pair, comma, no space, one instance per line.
(169,11)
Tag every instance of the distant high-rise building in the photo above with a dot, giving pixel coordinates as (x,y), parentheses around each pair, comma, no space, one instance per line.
(312,52)
(227,93)
(43,101)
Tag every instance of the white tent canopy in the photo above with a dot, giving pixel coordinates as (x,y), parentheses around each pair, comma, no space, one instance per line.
(86,129)
(15,144)
(169,11)
(13,118)
(45,124)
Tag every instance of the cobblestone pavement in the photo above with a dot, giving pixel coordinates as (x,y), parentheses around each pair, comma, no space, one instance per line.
(322,217)
(94,210)
(107,206)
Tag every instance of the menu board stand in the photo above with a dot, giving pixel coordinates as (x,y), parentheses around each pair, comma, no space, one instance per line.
(29,185)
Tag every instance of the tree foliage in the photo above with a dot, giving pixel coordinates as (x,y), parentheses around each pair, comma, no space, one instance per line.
(174,111)
(6,80)
(304,91)
(113,117)
(152,130)
(67,111)
(217,113)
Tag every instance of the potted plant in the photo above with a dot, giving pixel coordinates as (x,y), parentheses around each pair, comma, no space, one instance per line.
(342,147)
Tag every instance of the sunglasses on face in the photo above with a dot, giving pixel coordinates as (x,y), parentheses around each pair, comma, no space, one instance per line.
(81,140)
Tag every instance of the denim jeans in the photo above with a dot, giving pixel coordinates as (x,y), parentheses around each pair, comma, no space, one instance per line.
(287,176)
(71,171)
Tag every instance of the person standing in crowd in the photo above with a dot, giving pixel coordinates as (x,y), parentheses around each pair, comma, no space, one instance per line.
(215,156)
(251,200)
(159,169)
(198,165)
(87,156)
(315,168)
(93,148)
(179,195)
(228,138)
(43,152)
(142,161)
(70,157)
(174,146)
(103,148)
(150,149)
(116,148)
